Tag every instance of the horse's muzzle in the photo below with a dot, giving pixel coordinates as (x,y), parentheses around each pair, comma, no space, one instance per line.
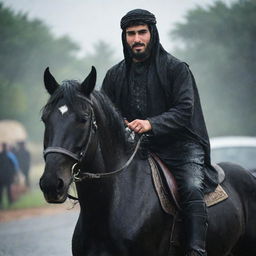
(54,189)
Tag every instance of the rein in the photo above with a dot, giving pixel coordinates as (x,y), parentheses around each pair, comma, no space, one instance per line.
(78,176)
(92,143)
(88,154)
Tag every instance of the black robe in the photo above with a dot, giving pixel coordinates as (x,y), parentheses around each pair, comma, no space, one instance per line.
(173,106)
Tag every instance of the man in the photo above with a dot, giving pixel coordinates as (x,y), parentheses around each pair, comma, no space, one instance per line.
(8,170)
(156,93)
(23,156)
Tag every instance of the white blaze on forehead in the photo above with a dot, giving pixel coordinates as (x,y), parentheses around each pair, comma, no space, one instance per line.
(63,109)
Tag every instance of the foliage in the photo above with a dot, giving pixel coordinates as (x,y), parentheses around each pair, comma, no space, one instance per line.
(102,58)
(219,42)
(27,47)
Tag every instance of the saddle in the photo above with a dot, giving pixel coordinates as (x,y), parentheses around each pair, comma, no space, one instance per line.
(166,186)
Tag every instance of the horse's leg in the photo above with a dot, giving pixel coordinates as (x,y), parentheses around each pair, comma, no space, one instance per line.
(225,224)
(78,242)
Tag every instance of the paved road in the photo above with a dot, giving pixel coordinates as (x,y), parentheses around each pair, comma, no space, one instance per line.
(38,236)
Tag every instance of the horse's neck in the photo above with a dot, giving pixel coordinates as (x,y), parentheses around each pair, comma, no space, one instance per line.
(90,188)
(121,198)
(95,196)
(113,151)
(104,196)
(113,154)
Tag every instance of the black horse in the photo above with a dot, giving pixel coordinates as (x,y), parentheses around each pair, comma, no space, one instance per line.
(120,213)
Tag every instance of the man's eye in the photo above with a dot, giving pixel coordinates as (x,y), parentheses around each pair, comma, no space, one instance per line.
(130,33)
(142,32)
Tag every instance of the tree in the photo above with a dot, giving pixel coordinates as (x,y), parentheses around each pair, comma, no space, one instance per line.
(102,59)
(219,41)
(27,47)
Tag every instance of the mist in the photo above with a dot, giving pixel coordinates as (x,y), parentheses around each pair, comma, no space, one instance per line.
(215,38)
(88,22)
(70,37)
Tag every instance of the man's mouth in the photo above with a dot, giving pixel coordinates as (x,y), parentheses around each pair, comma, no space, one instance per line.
(138,46)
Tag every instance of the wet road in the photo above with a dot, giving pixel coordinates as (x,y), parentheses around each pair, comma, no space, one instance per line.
(38,236)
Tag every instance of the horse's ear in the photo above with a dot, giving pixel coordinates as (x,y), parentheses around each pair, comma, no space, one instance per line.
(89,83)
(49,82)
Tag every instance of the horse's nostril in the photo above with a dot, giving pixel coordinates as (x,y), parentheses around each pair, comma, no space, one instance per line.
(60,185)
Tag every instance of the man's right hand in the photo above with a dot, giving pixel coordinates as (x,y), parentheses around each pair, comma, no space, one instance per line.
(139,126)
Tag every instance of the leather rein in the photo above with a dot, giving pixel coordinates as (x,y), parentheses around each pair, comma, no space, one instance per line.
(88,155)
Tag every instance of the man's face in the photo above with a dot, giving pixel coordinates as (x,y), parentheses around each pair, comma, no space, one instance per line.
(138,38)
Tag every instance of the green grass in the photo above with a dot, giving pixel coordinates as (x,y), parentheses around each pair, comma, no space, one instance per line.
(32,198)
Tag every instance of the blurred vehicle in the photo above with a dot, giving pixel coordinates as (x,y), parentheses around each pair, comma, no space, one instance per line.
(236,149)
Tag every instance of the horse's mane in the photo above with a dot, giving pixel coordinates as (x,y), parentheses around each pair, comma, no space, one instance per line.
(111,115)
(71,92)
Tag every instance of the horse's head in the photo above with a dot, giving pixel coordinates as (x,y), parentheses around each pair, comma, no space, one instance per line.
(69,119)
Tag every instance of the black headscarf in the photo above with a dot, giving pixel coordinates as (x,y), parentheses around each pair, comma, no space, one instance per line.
(137,15)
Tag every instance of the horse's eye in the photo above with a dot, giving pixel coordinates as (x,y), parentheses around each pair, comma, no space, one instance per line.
(82,119)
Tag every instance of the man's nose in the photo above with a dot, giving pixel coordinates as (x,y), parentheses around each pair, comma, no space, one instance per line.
(137,38)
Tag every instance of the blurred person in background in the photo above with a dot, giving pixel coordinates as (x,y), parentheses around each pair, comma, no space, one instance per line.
(24,159)
(13,157)
(8,170)
(156,94)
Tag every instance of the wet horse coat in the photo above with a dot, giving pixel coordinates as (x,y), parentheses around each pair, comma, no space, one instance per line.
(120,214)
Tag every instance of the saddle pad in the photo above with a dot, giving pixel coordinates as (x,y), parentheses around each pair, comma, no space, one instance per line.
(216,196)
(168,206)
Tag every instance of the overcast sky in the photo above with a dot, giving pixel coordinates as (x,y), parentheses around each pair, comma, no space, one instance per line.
(88,21)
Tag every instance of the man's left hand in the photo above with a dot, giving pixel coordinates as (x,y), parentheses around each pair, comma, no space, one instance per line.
(139,126)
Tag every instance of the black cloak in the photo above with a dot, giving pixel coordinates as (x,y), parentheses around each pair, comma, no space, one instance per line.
(175,111)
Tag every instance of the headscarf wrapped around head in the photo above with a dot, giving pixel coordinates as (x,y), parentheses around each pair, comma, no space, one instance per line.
(137,15)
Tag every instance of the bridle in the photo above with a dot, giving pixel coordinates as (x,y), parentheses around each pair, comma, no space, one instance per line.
(88,155)
(85,154)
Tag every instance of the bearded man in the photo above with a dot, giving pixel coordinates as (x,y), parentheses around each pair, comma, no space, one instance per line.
(156,93)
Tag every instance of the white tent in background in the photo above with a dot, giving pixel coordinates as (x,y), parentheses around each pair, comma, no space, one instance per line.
(12,131)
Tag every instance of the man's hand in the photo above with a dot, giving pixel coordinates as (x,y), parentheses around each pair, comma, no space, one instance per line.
(139,126)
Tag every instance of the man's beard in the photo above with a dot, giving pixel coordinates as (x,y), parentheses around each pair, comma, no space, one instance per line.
(140,56)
